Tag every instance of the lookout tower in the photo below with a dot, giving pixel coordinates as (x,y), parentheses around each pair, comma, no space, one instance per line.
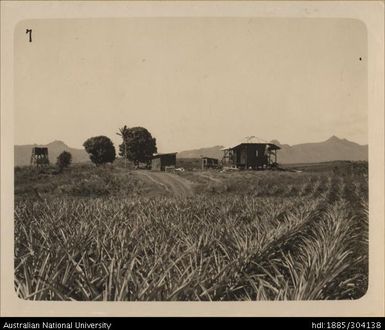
(39,156)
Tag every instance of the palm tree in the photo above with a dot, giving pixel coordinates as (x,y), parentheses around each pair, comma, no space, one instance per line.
(123,133)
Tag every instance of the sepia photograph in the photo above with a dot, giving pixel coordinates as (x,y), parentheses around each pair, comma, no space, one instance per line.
(200,158)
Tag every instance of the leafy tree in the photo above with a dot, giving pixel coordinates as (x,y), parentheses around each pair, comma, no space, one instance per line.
(101,149)
(138,144)
(64,160)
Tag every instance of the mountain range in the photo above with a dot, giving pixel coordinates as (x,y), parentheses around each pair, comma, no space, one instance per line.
(332,149)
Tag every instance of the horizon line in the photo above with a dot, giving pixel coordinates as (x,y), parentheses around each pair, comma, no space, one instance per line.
(205,147)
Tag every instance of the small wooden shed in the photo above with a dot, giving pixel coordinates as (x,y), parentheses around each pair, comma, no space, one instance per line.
(208,162)
(161,161)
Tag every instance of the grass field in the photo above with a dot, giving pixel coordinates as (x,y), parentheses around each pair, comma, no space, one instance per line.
(107,234)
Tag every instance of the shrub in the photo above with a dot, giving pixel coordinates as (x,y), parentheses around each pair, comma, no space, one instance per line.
(64,160)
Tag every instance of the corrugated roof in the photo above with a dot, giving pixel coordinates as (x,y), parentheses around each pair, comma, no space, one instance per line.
(164,154)
(251,140)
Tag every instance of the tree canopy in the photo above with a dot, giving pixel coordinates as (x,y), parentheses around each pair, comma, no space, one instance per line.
(138,144)
(101,149)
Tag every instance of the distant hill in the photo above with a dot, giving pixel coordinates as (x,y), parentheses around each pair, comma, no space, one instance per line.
(332,149)
(213,152)
(23,153)
(329,150)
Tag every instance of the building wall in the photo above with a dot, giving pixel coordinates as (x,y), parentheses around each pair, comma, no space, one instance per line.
(168,160)
(156,164)
(260,156)
(250,156)
(159,163)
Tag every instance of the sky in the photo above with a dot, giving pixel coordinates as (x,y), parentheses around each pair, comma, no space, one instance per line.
(192,82)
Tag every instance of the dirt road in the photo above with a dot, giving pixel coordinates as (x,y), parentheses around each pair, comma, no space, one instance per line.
(172,183)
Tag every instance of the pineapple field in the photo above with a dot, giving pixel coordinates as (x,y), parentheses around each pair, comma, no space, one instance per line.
(112,234)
